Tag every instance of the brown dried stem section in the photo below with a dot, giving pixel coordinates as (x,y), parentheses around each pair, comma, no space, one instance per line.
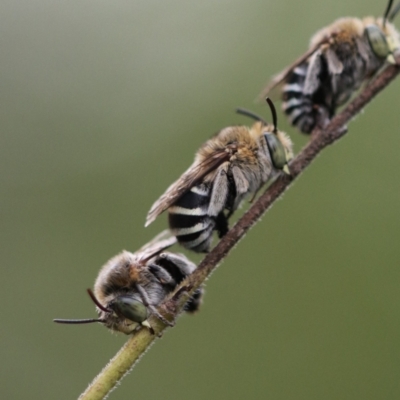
(140,342)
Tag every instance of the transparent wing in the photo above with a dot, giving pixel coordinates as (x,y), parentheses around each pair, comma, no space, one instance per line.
(189,179)
(161,242)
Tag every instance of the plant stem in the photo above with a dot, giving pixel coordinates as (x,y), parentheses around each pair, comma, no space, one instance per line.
(136,345)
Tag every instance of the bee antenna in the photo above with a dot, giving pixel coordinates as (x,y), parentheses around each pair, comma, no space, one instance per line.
(387,11)
(273,112)
(394,12)
(95,301)
(250,114)
(78,321)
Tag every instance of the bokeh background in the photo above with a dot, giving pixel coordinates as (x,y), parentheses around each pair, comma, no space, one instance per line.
(103,105)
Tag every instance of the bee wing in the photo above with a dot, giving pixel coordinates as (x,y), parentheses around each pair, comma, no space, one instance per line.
(280,78)
(189,179)
(161,242)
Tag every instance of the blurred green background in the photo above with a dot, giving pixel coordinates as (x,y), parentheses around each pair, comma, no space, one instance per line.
(103,105)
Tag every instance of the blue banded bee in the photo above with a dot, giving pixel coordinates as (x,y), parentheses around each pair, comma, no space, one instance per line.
(341,57)
(130,286)
(237,161)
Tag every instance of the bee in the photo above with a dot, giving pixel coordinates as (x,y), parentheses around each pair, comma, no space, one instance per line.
(237,161)
(340,58)
(130,286)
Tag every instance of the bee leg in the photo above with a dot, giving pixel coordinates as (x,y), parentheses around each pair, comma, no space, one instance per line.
(241,187)
(194,302)
(312,80)
(161,275)
(254,195)
(221,224)
(172,268)
(143,295)
(146,301)
(166,279)
(240,181)
(219,192)
(161,318)
(180,292)
(183,291)
(322,117)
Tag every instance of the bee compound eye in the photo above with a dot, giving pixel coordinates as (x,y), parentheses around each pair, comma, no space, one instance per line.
(276,150)
(129,308)
(377,41)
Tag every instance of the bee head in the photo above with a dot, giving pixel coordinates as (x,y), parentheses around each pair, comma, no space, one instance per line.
(278,143)
(382,36)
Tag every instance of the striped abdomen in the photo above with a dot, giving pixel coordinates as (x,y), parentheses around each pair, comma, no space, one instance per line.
(325,90)
(297,105)
(189,221)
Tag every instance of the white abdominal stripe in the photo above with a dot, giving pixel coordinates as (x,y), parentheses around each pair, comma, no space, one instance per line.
(199,227)
(297,105)
(189,220)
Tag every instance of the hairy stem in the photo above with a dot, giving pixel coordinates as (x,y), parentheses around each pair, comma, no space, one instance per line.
(140,342)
